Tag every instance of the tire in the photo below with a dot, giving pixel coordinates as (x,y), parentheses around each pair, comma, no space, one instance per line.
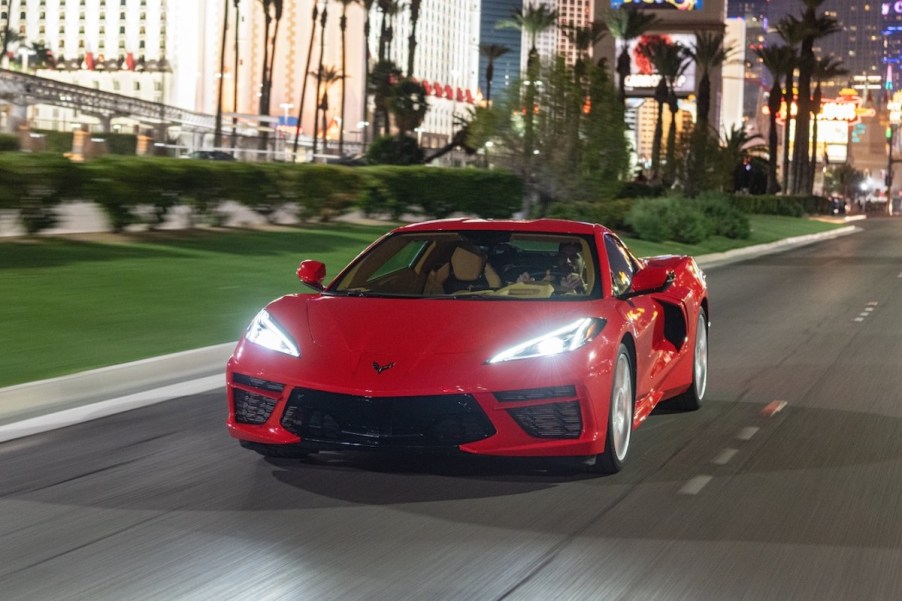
(277,451)
(692,399)
(620,416)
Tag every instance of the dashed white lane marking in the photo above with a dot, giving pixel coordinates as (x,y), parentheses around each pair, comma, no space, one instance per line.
(747,433)
(695,485)
(858,319)
(868,309)
(724,456)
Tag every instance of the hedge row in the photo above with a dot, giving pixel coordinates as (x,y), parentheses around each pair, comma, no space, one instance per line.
(143,190)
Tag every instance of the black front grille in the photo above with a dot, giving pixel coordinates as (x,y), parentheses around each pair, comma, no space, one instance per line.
(252,408)
(534,394)
(385,422)
(558,420)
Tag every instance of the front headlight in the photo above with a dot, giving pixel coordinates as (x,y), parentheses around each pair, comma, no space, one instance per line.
(266,332)
(568,338)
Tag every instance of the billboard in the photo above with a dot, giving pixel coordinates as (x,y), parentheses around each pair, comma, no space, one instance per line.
(643,78)
(662,4)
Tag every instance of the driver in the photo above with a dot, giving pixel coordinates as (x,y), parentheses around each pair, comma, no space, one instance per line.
(565,273)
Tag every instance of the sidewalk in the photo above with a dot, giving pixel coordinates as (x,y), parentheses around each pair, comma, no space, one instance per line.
(35,407)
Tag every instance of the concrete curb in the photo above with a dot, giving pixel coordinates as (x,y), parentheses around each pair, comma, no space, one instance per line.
(740,254)
(44,405)
(25,401)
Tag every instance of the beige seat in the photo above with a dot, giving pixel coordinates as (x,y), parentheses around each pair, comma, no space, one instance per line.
(467,270)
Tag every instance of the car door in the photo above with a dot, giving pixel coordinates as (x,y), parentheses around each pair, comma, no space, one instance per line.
(641,314)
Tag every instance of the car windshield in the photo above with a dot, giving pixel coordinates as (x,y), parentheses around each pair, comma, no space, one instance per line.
(483,265)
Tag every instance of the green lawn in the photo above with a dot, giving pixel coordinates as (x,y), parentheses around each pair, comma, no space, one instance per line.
(70,305)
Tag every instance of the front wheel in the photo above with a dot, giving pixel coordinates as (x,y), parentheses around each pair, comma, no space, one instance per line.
(620,417)
(691,400)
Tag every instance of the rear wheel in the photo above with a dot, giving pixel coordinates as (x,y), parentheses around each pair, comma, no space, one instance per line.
(692,399)
(620,417)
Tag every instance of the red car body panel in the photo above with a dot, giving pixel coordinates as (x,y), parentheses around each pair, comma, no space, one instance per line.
(410,347)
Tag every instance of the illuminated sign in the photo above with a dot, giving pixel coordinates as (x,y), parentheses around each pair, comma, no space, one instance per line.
(654,4)
(846,110)
(891,7)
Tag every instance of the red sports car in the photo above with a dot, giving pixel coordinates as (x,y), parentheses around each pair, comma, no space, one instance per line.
(514,338)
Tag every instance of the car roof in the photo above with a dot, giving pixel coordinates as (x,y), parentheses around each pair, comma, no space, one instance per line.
(556,226)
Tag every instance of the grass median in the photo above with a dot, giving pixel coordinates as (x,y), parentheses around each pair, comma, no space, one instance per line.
(75,303)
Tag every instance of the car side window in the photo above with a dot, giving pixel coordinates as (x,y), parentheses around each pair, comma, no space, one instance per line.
(621,264)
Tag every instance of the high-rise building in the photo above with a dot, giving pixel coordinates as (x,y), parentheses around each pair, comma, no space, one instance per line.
(859,44)
(507,66)
(892,40)
(754,15)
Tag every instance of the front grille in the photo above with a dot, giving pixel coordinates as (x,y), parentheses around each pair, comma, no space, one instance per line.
(385,422)
(252,408)
(558,420)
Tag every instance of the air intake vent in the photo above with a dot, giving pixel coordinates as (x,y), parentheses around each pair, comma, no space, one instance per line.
(534,394)
(258,383)
(560,420)
(252,408)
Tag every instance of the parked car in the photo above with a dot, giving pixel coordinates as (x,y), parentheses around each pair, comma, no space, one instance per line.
(511,338)
(211,155)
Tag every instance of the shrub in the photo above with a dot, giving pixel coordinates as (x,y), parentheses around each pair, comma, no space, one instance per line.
(725,219)
(669,218)
(610,213)
(9,143)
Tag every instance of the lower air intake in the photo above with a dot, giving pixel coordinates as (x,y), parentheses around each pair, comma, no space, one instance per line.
(385,422)
(558,420)
(252,408)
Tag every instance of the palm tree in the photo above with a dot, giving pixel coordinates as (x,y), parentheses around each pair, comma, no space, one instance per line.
(324,17)
(6,33)
(778,60)
(277,18)
(367,26)
(491,52)
(708,54)
(343,25)
(626,24)
(532,20)
(584,39)
(217,129)
(265,84)
(326,75)
(412,38)
(669,62)
(235,80)
(303,100)
(826,68)
(814,27)
(791,30)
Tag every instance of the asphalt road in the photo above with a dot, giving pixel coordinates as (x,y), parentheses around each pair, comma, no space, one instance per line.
(787,485)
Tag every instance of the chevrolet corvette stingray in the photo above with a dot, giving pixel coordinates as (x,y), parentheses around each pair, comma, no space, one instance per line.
(540,338)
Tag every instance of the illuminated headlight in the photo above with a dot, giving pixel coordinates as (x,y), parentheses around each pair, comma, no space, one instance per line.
(568,338)
(266,332)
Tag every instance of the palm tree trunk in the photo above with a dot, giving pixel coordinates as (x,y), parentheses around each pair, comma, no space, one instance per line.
(489,75)
(412,38)
(235,81)
(787,96)
(344,27)
(774,105)
(263,141)
(319,71)
(297,128)
(217,128)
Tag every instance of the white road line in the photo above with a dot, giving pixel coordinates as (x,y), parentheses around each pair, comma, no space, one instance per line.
(724,456)
(863,314)
(695,485)
(869,309)
(747,433)
(858,319)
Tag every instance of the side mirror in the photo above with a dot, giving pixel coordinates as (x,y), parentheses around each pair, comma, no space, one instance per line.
(312,274)
(649,280)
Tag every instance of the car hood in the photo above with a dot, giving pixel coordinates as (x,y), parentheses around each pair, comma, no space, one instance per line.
(368,344)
